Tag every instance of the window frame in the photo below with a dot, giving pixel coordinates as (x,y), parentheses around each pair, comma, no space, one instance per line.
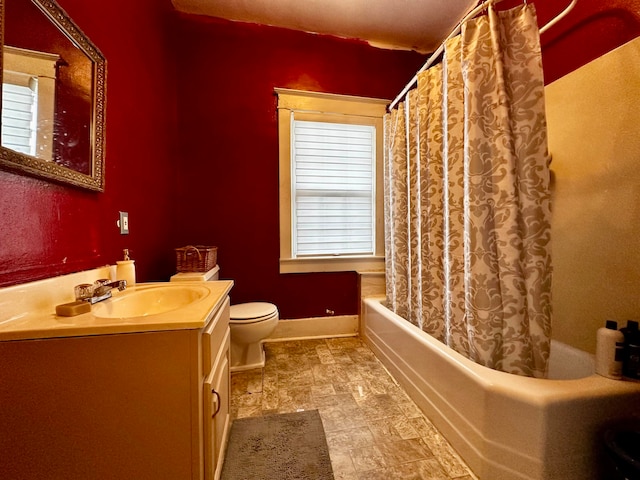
(332,108)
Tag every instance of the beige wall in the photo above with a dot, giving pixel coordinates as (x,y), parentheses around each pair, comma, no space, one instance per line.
(594,139)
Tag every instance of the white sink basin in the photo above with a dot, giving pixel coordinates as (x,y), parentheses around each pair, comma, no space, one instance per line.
(142,302)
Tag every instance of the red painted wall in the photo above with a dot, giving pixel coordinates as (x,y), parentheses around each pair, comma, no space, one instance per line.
(192,153)
(229,137)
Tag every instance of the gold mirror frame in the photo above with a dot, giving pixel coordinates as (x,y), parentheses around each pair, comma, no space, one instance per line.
(18,162)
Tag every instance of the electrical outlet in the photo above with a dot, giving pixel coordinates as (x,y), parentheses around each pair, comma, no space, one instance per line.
(123,223)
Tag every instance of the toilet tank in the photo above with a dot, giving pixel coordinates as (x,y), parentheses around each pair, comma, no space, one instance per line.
(210,276)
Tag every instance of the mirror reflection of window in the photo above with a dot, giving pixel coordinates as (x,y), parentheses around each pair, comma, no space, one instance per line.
(28,101)
(19,104)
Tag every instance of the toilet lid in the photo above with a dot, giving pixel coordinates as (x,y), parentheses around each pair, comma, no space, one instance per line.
(252,311)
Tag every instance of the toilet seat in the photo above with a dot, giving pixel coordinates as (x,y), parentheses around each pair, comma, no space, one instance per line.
(252,312)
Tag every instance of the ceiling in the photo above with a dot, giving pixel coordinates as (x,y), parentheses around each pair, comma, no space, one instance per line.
(399,24)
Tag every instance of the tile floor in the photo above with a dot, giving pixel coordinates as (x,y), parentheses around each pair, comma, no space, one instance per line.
(374,431)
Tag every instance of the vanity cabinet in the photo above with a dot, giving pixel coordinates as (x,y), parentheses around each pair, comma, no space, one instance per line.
(138,405)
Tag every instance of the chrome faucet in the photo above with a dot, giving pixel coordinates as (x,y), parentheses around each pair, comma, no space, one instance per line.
(98,291)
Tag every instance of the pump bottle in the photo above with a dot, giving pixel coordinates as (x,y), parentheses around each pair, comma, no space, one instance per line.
(125,269)
(609,351)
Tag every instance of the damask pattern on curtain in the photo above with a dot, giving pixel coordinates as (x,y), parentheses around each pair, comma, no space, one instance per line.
(467,202)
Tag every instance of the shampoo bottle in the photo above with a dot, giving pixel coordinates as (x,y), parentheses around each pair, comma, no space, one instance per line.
(609,351)
(631,363)
(125,269)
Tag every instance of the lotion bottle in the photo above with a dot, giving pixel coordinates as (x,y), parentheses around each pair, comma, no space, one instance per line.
(125,269)
(609,351)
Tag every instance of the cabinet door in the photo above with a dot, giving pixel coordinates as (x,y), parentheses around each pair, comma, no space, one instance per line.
(217,397)
(213,336)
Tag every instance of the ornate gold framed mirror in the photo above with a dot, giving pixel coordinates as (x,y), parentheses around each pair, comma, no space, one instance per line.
(53,96)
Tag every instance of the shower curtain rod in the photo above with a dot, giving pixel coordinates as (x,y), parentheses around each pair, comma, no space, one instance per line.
(456,30)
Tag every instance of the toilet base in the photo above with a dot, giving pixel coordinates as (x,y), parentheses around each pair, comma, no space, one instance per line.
(247,357)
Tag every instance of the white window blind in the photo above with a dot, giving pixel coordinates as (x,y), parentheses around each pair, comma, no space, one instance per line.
(333,189)
(19,114)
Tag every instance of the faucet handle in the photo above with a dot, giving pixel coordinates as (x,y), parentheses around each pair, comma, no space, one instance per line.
(83,291)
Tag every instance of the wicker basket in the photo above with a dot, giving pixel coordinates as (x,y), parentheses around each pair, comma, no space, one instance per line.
(198,258)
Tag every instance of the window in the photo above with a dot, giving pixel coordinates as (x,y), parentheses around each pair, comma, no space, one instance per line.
(332,185)
(330,191)
(28,101)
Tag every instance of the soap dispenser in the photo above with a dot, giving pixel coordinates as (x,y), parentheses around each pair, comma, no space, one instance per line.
(125,269)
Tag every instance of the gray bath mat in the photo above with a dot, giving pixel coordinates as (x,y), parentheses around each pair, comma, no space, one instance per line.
(289,446)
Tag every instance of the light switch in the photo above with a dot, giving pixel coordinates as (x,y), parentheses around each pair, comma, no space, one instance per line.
(123,223)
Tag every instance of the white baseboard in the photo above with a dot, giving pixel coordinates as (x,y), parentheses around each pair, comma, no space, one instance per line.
(316,327)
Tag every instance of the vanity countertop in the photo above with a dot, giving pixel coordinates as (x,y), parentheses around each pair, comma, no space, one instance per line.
(44,323)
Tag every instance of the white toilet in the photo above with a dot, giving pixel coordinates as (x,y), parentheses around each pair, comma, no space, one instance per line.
(250,324)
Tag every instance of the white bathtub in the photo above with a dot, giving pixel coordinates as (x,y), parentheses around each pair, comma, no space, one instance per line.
(506,427)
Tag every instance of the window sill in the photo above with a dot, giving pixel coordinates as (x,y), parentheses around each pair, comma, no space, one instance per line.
(331,264)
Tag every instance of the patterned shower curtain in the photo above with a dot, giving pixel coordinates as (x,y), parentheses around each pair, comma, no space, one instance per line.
(467,201)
